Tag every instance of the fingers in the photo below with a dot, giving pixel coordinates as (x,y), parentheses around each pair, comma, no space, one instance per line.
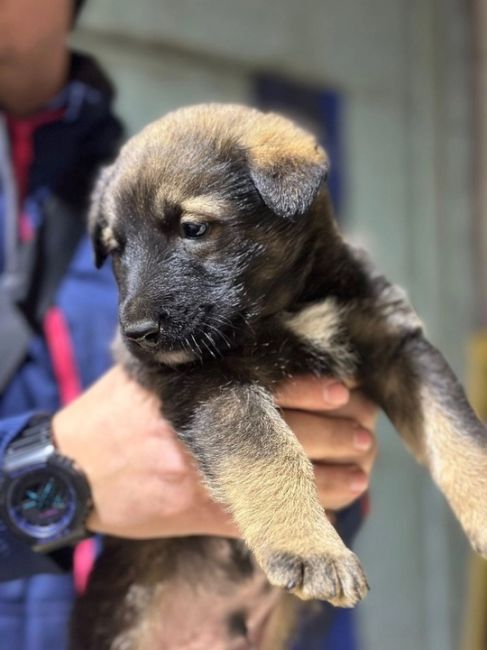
(312,394)
(330,438)
(339,485)
(342,450)
(360,409)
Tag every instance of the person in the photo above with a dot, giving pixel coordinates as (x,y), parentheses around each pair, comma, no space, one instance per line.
(57,318)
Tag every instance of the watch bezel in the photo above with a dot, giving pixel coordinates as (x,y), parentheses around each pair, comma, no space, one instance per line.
(36,531)
(43,457)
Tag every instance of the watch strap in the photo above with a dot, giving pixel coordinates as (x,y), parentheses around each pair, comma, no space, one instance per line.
(31,445)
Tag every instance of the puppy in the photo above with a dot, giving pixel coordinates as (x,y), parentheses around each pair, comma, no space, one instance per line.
(232,277)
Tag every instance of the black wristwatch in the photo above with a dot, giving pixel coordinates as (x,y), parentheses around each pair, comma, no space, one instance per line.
(44,498)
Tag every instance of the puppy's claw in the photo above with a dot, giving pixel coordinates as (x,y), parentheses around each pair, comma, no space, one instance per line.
(479,546)
(340,580)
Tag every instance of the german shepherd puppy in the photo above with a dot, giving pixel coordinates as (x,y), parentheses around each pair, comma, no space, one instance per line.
(232,277)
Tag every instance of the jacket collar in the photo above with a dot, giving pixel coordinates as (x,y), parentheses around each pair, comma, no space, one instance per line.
(87,82)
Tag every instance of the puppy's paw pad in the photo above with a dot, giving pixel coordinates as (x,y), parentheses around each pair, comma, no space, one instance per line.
(338,579)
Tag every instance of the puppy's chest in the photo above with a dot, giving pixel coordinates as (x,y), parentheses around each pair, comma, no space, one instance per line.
(313,338)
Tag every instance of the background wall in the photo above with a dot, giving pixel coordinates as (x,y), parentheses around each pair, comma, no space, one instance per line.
(402,66)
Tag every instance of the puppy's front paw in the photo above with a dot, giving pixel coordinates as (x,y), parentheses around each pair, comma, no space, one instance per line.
(338,579)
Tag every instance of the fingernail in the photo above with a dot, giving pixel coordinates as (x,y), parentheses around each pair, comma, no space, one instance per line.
(358,483)
(362,439)
(335,394)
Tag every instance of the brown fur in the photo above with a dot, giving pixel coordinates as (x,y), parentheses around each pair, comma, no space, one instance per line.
(213,325)
(280,486)
(458,466)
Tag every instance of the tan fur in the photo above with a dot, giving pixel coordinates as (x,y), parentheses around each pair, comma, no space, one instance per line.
(284,515)
(175,358)
(272,139)
(206,207)
(322,324)
(459,467)
(274,502)
(265,134)
(108,239)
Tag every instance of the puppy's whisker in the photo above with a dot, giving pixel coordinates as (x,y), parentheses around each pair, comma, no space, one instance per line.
(208,347)
(185,344)
(220,334)
(224,321)
(218,319)
(229,328)
(196,349)
(248,324)
(213,344)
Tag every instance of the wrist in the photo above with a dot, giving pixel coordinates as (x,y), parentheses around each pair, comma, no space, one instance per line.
(64,437)
(44,498)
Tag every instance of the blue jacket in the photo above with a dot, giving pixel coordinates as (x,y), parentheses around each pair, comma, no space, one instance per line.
(66,150)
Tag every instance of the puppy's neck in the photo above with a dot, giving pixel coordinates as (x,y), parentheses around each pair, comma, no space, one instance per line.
(333,270)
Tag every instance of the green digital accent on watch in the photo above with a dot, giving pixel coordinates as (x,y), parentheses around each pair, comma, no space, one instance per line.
(44,498)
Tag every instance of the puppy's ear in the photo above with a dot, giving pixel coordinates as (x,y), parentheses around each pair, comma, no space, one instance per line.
(286,164)
(98,225)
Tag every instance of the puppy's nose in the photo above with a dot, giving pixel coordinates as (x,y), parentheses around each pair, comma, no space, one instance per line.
(145,332)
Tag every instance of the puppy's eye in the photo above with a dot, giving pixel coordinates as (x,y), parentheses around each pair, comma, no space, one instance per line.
(191,230)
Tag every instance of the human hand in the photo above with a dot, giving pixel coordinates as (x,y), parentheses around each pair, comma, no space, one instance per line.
(145,483)
(335,426)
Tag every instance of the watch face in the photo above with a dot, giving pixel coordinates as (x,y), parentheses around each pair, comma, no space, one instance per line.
(41,503)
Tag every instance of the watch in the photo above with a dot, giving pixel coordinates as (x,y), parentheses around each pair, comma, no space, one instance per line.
(44,498)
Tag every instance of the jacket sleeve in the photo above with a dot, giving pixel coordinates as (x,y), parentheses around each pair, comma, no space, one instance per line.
(17,559)
(350,520)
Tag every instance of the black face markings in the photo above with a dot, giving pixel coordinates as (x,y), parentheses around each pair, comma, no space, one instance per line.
(171,213)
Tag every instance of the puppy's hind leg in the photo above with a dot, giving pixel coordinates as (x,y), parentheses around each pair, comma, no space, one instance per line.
(419,392)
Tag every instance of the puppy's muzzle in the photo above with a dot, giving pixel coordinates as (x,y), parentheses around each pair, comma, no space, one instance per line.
(146,333)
